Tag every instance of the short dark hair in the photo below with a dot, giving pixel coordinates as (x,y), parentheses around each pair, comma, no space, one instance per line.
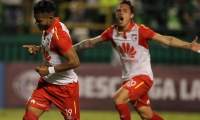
(128,2)
(43,6)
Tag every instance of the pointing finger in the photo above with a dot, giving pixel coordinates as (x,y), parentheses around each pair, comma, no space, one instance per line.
(26,46)
(196,38)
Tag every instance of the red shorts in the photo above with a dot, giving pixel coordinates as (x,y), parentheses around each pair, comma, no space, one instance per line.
(138,88)
(64,97)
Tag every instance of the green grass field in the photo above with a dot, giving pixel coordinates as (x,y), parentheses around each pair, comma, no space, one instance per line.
(54,114)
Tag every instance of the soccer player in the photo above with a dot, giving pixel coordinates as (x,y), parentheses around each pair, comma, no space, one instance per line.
(130,40)
(58,83)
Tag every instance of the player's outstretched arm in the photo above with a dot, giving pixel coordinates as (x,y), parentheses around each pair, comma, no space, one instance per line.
(88,43)
(175,42)
(195,46)
(32,49)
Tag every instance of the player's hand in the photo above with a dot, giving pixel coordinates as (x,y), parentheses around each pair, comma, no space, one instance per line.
(42,70)
(32,49)
(195,46)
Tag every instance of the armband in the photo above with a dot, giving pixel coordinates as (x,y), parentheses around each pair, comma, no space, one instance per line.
(51,70)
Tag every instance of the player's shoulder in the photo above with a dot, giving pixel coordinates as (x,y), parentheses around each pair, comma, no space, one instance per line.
(141,26)
(61,32)
(112,27)
(61,26)
(62,29)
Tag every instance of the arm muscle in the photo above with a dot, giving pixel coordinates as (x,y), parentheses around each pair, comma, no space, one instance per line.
(72,61)
(88,43)
(171,41)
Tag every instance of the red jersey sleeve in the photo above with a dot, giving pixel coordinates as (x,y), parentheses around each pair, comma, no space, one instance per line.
(107,34)
(62,42)
(146,32)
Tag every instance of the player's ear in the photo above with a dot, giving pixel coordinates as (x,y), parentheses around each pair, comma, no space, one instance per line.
(51,18)
(132,15)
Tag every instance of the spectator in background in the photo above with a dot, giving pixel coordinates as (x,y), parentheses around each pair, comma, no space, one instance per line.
(93,16)
(12,15)
(190,16)
(1,16)
(99,15)
(156,9)
(77,14)
(112,4)
(181,4)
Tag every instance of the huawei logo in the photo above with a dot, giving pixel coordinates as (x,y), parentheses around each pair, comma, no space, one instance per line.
(127,50)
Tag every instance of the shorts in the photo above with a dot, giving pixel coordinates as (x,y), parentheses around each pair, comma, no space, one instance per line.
(138,88)
(64,97)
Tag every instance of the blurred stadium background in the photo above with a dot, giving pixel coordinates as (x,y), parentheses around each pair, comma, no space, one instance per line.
(177,83)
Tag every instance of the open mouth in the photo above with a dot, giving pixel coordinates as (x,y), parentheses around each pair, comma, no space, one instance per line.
(121,19)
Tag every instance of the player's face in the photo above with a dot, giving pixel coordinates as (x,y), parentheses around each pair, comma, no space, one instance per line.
(124,15)
(43,21)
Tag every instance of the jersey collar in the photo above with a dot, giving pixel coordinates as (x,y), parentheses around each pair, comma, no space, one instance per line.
(129,29)
(131,26)
(53,25)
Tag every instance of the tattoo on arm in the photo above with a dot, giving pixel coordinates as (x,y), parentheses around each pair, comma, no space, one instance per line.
(81,46)
(186,46)
(170,41)
(99,43)
(88,43)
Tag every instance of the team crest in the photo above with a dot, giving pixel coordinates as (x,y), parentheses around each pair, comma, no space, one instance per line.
(134,37)
(48,41)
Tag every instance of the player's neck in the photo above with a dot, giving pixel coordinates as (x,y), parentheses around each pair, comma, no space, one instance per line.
(124,28)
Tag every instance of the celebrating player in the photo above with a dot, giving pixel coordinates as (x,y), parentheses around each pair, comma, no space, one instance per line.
(130,40)
(58,83)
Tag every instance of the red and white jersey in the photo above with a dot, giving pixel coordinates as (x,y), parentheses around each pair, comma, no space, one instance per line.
(56,41)
(132,46)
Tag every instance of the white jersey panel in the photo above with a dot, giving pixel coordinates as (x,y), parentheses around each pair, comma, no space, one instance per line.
(135,59)
(52,59)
